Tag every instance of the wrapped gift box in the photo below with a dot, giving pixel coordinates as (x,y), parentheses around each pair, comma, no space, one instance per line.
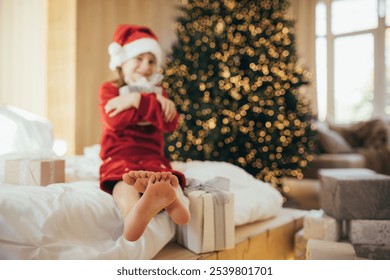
(329,250)
(370,232)
(347,196)
(372,252)
(300,245)
(211,227)
(318,225)
(38,172)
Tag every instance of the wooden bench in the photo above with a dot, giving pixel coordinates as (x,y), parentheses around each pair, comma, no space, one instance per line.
(272,239)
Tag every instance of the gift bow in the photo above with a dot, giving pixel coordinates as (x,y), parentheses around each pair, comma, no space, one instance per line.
(215,186)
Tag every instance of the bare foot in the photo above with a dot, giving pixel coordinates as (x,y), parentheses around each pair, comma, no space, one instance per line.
(138,179)
(158,195)
(177,210)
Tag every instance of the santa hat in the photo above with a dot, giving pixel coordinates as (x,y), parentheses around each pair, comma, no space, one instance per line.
(130,41)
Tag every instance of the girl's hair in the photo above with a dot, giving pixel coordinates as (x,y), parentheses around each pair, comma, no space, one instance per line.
(120,82)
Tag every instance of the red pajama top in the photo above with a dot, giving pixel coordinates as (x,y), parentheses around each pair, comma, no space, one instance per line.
(128,145)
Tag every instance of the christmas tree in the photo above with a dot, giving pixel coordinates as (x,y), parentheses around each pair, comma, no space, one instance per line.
(233,74)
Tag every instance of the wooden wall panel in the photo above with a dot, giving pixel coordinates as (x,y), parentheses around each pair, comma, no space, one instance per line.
(61,66)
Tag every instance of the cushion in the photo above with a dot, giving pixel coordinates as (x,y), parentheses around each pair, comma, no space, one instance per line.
(371,133)
(331,141)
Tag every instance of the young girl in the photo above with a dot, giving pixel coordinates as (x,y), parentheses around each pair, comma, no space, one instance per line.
(135,113)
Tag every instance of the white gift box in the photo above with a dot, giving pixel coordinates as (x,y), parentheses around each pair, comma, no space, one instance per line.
(211,227)
(318,225)
(300,245)
(369,232)
(329,250)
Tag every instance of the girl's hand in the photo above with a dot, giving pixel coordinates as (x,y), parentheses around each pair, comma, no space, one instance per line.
(168,108)
(122,102)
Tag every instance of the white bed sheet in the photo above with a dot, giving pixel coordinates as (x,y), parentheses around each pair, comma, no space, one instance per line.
(76,220)
(73,220)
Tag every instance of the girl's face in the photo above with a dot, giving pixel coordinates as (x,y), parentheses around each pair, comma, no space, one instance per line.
(141,66)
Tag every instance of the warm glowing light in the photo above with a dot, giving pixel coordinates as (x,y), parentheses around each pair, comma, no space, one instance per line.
(234,76)
(60,147)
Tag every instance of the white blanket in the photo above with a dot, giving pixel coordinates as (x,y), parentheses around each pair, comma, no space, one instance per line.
(71,221)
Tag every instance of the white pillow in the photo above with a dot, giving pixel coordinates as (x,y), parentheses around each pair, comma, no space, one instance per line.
(331,141)
(254,200)
(23,135)
(22,131)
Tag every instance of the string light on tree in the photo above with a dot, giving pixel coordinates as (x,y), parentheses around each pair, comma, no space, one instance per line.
(234,76)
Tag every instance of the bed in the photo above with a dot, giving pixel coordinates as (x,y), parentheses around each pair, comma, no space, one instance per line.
(76,220)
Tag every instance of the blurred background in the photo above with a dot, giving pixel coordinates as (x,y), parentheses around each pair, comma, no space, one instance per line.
(53,57)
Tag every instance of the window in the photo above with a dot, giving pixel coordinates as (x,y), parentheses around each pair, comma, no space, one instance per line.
(353,59)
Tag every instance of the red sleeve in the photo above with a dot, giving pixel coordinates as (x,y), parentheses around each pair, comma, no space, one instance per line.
(106,92)
(149,110)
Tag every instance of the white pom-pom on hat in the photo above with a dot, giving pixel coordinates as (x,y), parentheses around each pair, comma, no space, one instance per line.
(114,48)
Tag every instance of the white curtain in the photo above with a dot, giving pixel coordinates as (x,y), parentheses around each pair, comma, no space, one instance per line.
(23,55)
(303,13)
